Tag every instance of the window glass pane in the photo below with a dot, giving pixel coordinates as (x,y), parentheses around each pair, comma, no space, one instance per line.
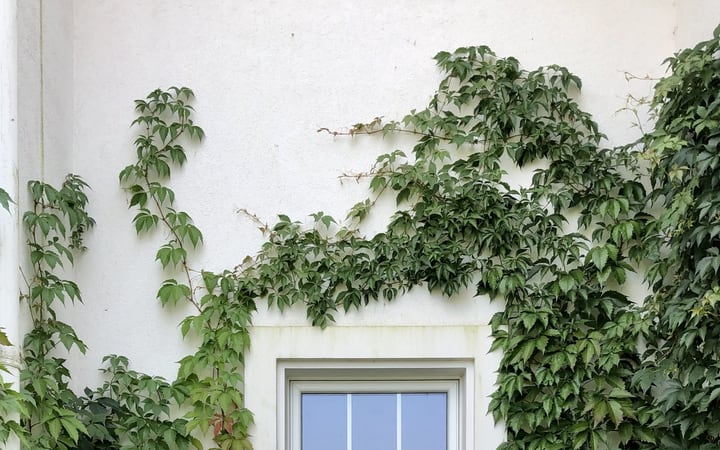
(324,421)
(424,421)
(374,420)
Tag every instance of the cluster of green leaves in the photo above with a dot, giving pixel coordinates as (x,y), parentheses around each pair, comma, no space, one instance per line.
(212,377)
(54,228)
(133,411)
(11,404)
(681,365)
(567,334)
(5,199)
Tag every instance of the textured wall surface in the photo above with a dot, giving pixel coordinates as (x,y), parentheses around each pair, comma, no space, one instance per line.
(267,75)
(8,169)
(9,308)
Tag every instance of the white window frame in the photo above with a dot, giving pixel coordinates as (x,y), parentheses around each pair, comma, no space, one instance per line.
(453,377)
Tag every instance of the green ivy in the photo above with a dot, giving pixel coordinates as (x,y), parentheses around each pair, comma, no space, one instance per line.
(54,228)
(133,411)
(211,378)
(5,199)
(568,336)
(680,365)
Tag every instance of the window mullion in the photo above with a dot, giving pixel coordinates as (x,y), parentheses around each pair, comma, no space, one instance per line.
(398,421)
(349,421)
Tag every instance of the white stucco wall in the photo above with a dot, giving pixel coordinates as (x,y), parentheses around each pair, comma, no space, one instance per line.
(45,146)
(8,169)
(696,20)
(44,112)
(9,308)
(267,75)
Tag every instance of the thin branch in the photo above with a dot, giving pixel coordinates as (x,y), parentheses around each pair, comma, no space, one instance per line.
(262,226)
(177,238)
(365,131)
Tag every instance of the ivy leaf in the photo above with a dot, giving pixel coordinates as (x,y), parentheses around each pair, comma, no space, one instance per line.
(171,292)
(210,280)
(54,426)
(5,199)
(566,282)
(402,196)
(615,411)
(145,221)
(599,256)
(4,339)
(599,412)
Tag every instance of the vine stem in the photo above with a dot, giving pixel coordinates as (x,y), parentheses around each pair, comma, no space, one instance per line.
(372,173)
(163,216)
(355,132)
(186,269)
(38,269)
(264,228)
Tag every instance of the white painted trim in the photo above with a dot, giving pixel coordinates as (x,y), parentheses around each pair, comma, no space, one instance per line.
(276,350)
(453,377)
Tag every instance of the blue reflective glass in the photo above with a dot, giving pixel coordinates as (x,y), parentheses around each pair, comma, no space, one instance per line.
(324,421)
(374,421)
(424,421)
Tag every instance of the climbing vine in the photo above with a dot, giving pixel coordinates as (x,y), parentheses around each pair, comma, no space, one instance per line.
(54,229)
(11,403)
(556,250)
(681,362)
(568,336)
(212,376)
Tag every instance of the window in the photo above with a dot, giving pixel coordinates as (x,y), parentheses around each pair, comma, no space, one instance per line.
(387,405)
(374,415)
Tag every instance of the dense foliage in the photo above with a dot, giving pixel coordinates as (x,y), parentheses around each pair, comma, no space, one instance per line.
(568,335)
(682,360)
(555,250)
